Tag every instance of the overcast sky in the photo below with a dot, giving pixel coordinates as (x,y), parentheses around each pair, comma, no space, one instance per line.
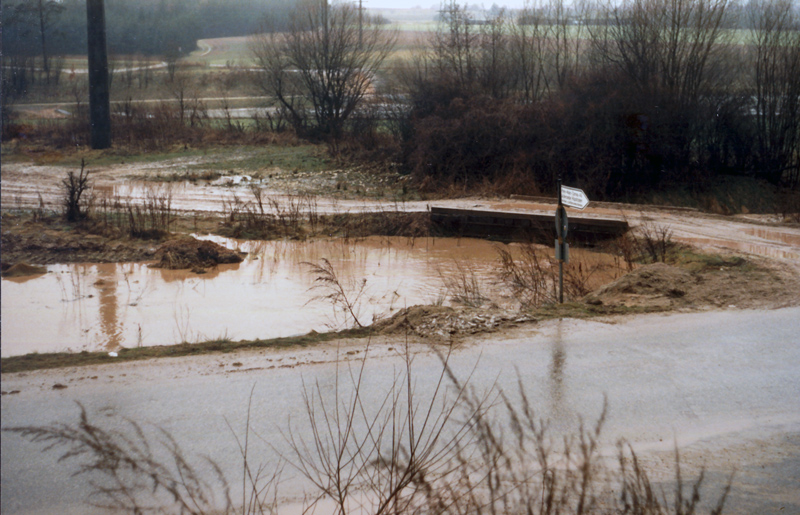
(426,4)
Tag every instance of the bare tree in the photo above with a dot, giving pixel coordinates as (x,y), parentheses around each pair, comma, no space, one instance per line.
(565,40)
(528,39)
(664,46)
(496,74)
(321,69)
(43,16)
(455,46)
(775,42)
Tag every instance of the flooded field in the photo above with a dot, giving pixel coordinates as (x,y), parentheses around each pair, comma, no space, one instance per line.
(271,294)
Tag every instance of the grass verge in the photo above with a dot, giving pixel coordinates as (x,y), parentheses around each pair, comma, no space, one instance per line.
(38,361)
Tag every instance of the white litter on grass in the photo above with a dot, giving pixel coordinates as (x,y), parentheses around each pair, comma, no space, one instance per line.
(112,354)
(232,180)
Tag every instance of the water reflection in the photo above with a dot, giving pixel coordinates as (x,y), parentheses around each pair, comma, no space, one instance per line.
(107,293)
(558,362)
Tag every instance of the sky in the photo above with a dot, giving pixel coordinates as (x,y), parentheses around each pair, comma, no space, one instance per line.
(426,4)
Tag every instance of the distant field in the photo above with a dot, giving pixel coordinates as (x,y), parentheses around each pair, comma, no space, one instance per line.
(406,15)
(411,24)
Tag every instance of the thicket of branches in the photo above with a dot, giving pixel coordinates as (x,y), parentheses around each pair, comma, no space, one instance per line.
(618,99)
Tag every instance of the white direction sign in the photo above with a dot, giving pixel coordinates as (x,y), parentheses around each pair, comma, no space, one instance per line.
(573,197)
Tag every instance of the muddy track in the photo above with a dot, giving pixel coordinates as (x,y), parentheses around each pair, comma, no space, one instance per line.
(28,186)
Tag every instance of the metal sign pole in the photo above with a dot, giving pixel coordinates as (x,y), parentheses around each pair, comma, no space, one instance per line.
(559,213)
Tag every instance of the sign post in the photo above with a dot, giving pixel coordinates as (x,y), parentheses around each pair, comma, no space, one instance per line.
(562,249)
(573,197)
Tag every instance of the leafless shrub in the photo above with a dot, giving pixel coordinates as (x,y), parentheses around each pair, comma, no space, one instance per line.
(232,209)
(268,217)
(150,219)
(530,277)
(384,455)
(74,187)
(655,241)
(289,214)
(626,246)
(637,494)
(39,213)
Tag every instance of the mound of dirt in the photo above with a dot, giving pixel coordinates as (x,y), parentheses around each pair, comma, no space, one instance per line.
(195,254)
(644,285)
(738,283)
(23,270)
(443,322)
(51,240)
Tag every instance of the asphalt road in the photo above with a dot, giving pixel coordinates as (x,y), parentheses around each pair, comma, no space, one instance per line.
(724,386)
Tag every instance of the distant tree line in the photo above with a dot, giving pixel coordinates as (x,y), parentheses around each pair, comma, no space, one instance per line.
(150,27)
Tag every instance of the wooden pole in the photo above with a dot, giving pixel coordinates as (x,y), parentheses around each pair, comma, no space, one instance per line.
(99,107)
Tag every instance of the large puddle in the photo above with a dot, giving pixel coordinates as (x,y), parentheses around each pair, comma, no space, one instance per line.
(271,294)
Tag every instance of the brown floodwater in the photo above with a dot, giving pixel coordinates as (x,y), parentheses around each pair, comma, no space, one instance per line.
(79,307)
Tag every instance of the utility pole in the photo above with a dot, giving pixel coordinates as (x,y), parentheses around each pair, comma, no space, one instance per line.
(99,107)
(360,23)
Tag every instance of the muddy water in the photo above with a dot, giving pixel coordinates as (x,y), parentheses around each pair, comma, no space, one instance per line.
(105,306)
(271,294)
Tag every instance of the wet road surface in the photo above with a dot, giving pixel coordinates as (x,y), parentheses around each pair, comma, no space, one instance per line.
(724,385)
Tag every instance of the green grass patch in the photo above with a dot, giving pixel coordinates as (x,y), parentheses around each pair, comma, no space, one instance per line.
(310,158)
(582,310)
(115,156)
(307,157)
(691,260)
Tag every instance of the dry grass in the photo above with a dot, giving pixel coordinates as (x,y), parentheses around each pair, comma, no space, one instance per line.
(151,218)
(345,296)
(266,217)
